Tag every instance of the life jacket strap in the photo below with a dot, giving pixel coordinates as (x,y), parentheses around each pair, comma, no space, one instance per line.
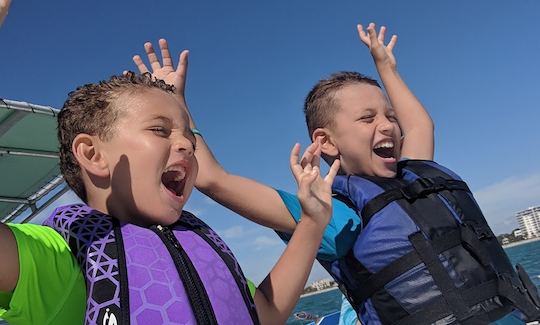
(462,236)
(440,276)
(412,191)
(523,295)
(439,309)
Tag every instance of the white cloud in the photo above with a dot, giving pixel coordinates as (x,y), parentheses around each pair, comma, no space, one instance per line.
(501,201)
(233,232)
(209,201)
(266,241)
(199,213)
(194,208)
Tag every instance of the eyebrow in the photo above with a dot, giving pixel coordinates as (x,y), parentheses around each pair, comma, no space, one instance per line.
(160,118)
(368,110)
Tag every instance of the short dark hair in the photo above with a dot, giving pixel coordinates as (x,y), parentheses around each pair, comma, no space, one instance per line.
(320,104)
(91,109)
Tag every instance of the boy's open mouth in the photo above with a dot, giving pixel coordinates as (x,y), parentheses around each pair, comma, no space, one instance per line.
(384,149)
(174,179)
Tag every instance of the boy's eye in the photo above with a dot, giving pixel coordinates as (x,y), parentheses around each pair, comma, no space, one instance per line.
(392,118)
(367,118)
(161,131)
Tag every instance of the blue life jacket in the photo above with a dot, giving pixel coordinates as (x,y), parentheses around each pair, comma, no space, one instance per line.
(426,253)
(180,274)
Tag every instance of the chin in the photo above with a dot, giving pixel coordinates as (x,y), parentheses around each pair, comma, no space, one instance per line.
(170,218)
(165,218)
(386,173)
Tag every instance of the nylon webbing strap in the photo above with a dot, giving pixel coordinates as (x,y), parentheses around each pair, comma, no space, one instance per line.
(406,262)
(428,315)
(123,274)
(419,188)
(518,299)
(474,245)
(378,280)
(531,289)
(438,308)
(401,265)
(440,276)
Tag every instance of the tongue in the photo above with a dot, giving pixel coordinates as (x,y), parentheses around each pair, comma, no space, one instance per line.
(168,180)
(171,186)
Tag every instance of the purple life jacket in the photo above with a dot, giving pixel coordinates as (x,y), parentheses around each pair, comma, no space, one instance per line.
(180,274)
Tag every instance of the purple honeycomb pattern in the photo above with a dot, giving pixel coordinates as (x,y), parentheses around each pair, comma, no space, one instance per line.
(214,237)
(156,293)
(226,298)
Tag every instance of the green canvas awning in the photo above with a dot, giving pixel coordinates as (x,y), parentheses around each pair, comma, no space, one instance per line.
(29,172)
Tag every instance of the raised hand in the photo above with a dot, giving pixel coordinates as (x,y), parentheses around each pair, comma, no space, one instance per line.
(382,54)
(4,7)
(314,192)
(165,71)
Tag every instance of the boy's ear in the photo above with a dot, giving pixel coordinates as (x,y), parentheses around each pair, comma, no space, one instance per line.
(86,150)
(328,146)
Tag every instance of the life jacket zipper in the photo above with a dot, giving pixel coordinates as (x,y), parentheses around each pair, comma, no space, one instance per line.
(200,303)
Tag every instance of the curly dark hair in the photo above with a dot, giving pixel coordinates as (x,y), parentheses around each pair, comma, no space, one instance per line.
(320,104)
(91,109)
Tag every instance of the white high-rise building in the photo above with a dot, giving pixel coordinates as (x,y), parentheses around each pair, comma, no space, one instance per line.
(529,221)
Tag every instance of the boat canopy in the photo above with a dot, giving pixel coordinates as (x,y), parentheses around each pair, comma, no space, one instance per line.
(29,173)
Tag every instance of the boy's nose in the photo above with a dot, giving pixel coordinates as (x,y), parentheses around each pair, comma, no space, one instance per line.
(386,126)
(183,145)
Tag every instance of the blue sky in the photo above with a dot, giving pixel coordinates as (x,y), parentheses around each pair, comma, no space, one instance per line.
(472,63)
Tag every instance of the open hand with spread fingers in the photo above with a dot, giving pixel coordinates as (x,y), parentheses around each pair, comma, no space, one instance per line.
(314,191)
(381,53)
(165,70)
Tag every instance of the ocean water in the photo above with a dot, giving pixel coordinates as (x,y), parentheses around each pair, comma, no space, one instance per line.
(318,304)
(528,255)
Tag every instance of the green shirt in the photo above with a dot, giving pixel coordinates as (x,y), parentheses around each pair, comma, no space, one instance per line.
(51,288)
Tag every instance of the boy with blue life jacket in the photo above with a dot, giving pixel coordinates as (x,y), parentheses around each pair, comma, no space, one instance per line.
(130,254)
(407,242)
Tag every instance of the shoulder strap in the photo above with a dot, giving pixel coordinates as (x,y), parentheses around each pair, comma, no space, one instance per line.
(410,192)
(96,241)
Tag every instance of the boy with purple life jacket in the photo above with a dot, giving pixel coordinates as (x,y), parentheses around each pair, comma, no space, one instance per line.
(130,254)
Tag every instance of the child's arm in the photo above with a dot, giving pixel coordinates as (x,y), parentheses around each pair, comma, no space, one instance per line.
(4,7)
(251,199)
(40,275)
(276,296)
(416,124)
(9,268)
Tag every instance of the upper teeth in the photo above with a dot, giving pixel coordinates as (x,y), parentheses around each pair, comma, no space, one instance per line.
(385,145)
(178,177)
(181,172)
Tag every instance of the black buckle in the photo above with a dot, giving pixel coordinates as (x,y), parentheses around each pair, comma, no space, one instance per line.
(421,187)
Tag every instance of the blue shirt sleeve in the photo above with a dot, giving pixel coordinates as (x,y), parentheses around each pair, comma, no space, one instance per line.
(347,315)
(340,234)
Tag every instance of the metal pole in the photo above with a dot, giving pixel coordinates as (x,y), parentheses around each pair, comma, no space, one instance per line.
(27,107)
(13,200)
(49,202)
(25,203)
(28,152)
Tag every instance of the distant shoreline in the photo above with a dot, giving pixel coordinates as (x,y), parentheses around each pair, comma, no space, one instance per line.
(521,242)
(318,291)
